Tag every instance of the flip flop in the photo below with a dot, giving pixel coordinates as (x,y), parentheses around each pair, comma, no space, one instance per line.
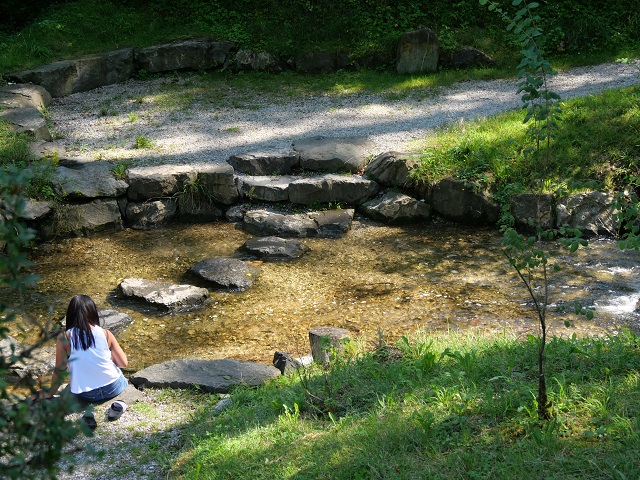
(116,410)
(90,420)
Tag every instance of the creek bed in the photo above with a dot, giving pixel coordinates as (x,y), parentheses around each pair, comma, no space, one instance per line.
(377,280)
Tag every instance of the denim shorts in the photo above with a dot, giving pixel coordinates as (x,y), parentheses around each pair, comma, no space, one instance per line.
(104,393)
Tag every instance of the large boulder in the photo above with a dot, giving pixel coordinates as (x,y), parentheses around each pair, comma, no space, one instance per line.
(331,188)
(328,154)
(325,224)
(29,120)
(532,210)
(163,294)
(391,169)
(591,210)
(80,74)
(24,95)
(214,376)
(275,162)
(264,188)
(457,201)
(396,208)
(99,215)
(225,272)
(275,248)
(91,180)
(35,210)
(190,54)
(418,52)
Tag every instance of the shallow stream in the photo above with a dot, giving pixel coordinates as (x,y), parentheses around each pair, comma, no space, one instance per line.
(376,279)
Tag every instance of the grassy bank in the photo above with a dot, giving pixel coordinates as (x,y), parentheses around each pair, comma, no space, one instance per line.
(450,406)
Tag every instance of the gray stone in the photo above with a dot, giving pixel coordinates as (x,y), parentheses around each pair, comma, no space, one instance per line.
(275,248)
(285,362)
(532,210)
(467,57)
(316,62)
(44,149)
(190,54)
(349,189)
(29,120)
(418,52)
(391,169)
(215,376)
(99,215)
(276,162)
(224,404)
(340,154)
(40,362)
(35,210)
(396,208)
(332,223)
(236,213)
(326,340)
(158,181)
(24,95)
(217,181)
(226,272)
(257,61)
(146,215)
(263,188)
(325,224)
(591,210)
(198,209)
(91,180)
(80,74)
(459,202)
(164,294)
(113,320)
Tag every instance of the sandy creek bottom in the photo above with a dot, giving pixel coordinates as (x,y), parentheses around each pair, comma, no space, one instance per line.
(377,278)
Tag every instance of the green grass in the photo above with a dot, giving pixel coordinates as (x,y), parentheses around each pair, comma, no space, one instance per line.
(451,406)
(596,145)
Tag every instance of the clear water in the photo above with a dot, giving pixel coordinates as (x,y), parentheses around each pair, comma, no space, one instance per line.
(376,279)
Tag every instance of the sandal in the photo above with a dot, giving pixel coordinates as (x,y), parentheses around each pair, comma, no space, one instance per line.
(90,420)
(116,410)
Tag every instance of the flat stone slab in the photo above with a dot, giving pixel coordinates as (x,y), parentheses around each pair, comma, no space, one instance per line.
(323,224)
(391,169)
(333,154)
(164,294)
(91,180)
(276,162)
(24,95)
(275,248)
(215,376)
(332,188)
(226,272)
(113,320)
(265,188)
(27,119)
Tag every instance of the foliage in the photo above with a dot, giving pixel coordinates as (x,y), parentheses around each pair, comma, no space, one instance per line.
(142,142)
(32,435)
(367,30)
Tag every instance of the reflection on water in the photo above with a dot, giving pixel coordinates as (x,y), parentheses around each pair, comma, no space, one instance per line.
(377,278)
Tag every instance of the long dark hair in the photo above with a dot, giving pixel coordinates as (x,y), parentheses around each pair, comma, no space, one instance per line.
(82,313)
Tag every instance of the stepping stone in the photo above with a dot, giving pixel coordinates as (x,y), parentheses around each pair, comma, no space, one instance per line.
(333,154)
(277,162)
(113,320)
(164,294)
(331,188)
(275,248)
(264,188)
(91,180)
(323,224)
(215,376)
(23,95)
(396,208)
(226,272)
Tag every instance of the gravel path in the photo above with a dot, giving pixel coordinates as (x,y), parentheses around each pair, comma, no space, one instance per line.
(187,124)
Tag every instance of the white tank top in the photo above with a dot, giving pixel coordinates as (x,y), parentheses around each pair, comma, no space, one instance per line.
(91,368)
